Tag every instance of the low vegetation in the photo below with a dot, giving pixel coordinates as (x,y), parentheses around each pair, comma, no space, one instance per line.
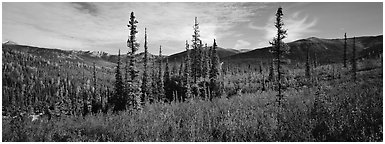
(201,100)
(334,110)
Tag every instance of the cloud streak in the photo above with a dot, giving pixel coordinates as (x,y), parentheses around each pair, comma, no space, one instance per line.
(297,27)
(242,44)
(85,7)
(92,26)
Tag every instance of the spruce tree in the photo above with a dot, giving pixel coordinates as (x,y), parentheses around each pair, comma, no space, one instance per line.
(214,73)
(345,47)
(206,63)
(117,100)
(187,73)
(93,100)
(145,92)
(307,70)
(154,82)
(160,76)
(278,49)
(354,62)
(167,79)
(133,46)
(200,59)
(126,67)
(181,69)
(133,90)
(205,70)
(195,51)
(167,72)
(174,69)
(271,71)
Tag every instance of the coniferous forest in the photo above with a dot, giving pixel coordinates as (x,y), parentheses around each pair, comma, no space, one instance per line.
(291,91)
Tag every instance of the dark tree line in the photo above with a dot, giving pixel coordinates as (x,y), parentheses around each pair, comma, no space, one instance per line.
(36,85)
(198,76)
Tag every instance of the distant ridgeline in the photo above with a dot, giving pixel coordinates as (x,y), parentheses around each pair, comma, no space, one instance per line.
(323,50)
(53,61)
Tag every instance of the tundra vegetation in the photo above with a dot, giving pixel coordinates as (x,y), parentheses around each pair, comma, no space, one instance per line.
(199,98)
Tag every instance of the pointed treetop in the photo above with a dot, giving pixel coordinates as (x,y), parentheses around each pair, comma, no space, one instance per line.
(160,50)
(145,37)
(279,11)
(132,15)
(187,45)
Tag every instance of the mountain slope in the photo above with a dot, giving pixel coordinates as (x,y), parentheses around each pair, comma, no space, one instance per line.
(222,52)
(50,63)
(325,50)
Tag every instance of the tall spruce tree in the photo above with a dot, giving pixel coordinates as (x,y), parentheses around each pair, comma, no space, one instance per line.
(126,67)
(214,73)
(195,51)
(166,79)
(167,71)
(200,62)
(278,49)
(205,70)
(145,92)
(117,100)
(206,63)
(132,89)
(154,82)
(187,74)
(160,75)
(133,46)
(93,100)
(345,47)
(354,62)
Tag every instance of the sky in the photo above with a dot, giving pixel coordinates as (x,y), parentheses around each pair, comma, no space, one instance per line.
(239,25)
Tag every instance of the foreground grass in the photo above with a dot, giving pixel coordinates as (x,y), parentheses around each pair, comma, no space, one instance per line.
(334,110)
(245,118)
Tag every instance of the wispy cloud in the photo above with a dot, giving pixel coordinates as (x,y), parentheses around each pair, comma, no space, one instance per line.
(103,26)
(93,26)
(85,7)
(242,44)
(297,27)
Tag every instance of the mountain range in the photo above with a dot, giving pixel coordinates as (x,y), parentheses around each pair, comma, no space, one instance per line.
(324,50)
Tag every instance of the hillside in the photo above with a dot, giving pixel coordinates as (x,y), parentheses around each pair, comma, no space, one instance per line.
(325,50)
(50,63)
(222,52)
(70,62)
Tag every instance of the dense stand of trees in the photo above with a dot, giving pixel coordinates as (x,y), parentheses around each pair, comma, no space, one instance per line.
(38,85)
(201,66)
(197,76)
